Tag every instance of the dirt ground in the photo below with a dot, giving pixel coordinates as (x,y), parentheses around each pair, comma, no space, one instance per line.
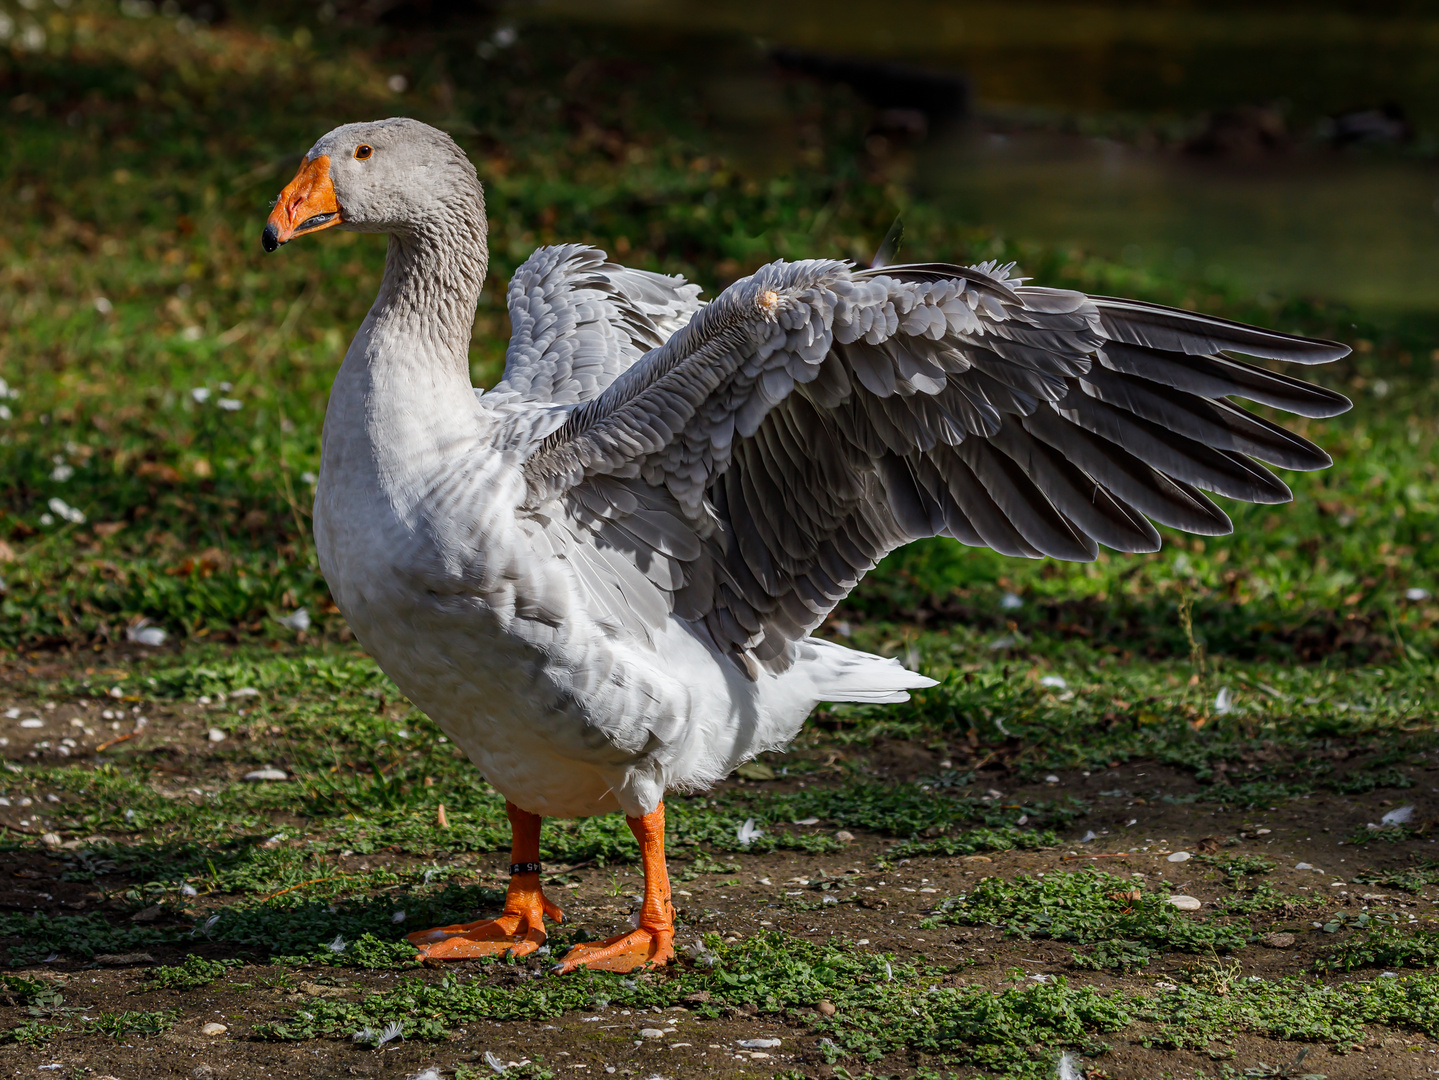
(880,907)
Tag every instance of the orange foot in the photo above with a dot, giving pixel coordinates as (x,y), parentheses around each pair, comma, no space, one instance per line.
(652,944)
(521,929)
(516,932)
(637,949)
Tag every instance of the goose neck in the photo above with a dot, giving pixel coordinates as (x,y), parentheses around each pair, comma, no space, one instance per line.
(433,277)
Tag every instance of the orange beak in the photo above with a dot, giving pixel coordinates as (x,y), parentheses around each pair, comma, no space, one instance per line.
(306,205)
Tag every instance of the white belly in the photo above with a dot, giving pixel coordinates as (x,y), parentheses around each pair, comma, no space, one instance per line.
(537,741)
(489,694)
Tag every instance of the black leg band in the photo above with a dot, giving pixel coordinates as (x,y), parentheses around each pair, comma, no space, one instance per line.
(524,868)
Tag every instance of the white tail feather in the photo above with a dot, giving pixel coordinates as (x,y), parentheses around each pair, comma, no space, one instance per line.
(841,674)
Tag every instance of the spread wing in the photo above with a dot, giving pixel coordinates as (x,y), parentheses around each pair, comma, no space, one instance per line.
(578,320)
(815,417)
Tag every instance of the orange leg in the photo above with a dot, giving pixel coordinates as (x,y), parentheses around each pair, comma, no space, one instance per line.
(521,929)
(652,943)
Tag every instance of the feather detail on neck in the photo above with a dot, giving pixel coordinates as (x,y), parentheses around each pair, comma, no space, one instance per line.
(433,275)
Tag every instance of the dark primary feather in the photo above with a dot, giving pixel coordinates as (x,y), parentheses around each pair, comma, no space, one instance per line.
(1137,323)
(814,417)
(1221,376)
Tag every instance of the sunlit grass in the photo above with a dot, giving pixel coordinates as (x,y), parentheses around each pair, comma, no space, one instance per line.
(169,380)
(164,387)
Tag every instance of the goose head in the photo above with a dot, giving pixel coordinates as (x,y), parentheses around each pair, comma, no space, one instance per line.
(395,176)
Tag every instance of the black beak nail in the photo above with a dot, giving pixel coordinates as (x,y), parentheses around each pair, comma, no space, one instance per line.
(270,238)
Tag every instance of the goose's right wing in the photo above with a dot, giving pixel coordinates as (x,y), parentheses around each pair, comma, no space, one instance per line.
(814,417)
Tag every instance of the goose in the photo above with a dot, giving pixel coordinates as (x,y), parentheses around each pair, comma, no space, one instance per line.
(601,577)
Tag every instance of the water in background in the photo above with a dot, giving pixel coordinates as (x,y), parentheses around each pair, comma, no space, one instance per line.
(1197,138)
(1343,227)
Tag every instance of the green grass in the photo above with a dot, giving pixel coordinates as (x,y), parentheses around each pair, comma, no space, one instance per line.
(1383,945)
(193,972)
(30,992)
(882,1004)
(1265,900)
(974,841)
(1195,1017)
(130,1022)
(1410,879)
(32,1033)
(1128,925)
(142,154)
(44,1001)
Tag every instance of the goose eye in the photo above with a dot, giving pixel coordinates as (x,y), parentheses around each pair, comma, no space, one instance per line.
(363,151)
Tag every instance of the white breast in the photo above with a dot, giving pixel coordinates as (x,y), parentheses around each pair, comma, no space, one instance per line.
(481,619)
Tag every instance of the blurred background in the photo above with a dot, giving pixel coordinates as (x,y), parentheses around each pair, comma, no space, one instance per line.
(1278,146)
(1271,146)
(165,382)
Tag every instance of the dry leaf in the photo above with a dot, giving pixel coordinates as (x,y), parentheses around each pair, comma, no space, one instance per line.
(166,474)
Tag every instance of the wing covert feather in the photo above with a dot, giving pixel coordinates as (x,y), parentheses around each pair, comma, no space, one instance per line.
(578,320)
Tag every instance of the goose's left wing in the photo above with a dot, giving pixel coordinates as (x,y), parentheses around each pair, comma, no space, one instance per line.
(578,320)
(815,417)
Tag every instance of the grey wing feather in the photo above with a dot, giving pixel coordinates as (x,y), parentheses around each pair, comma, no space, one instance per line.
(1136,323)
(815,417)
(578,320)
